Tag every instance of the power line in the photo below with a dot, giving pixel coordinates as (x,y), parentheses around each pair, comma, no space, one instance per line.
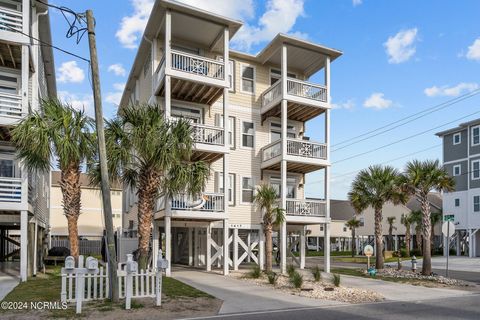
(426,111)
(404,139)
(443,106)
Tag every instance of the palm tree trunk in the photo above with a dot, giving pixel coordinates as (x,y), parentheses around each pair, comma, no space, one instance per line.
(71,194)
(432,237)
(268,248)
(426,226)
(418,240)
(378,239)
(147,191)
(390,238)
(407,240)
(354,249)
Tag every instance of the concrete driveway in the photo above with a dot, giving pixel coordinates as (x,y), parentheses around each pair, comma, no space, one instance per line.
(9,277)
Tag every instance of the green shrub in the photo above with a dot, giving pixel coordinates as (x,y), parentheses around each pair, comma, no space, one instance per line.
(255,272)
(317,273)
(272,278)
(336,280)
(296,279)
(290,269)
(403,253)
(415,252)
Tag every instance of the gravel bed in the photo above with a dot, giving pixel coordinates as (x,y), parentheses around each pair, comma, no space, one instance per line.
(407,274)
(316,290)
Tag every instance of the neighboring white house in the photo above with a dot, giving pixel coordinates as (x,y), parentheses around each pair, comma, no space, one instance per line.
(461,158)
(249,114)
(27,74)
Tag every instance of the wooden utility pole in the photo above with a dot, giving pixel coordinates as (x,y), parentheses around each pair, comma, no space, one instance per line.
(102,152)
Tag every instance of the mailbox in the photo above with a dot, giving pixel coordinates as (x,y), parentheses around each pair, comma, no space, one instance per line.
(69,263)
(132,267)
(91,264)
(162,264)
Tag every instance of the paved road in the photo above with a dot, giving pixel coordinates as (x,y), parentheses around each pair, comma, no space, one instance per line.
(466,307)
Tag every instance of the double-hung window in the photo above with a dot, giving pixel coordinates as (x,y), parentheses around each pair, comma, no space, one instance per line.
(457,138)
(231,128)
(248,134)
(248,79)
(247,190)
(475,169)
(476,203)
(276,74)
(476,136)
(457,170)
(457,202)
(231,75)
(231,187)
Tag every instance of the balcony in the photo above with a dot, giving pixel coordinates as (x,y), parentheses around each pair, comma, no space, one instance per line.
(10,108)
(10,20)
(209,206)
(302,210)
(209,142)
(193,78)
(302,156)
(306,100)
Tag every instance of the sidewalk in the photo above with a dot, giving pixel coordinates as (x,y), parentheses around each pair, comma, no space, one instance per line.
(240,296)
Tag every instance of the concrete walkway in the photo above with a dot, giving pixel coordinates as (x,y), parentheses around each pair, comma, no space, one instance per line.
(240,296)
(9,278)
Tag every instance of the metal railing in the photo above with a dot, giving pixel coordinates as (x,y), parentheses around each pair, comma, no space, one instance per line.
(272,93)
(198,65)
(10,20)
(11,105)
(10,190)
(208,134)
(272,150)
(306,149)
(207,202)
(160,71)
(301,207)
(307,90)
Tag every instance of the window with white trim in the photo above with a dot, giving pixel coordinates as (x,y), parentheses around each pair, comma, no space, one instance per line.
(457,202)
(276,131)
(457,138)
(276,74)
(457,170)
(248,134)
(476,203)
(476,136)
(276,183)
(247,190)
(231,75)
(231,187)
(475,169)
(231,128)
(248,79)
(9,83)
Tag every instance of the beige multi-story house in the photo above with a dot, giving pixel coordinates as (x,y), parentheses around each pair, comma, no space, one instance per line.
(249,115)
(27,74)
(91,220)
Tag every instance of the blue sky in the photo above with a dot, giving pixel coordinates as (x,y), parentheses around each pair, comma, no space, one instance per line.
(400,57)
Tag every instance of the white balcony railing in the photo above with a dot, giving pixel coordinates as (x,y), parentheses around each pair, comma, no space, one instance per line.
(300,207)
(306,90)
(306,149)
(209,202)
(295,147)
(10,105)
(272,93)
(198,65)
(208,134)
(10,20)
(10,190)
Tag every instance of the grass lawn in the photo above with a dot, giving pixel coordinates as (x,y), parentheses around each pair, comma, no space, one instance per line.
(363,259)
(311,253)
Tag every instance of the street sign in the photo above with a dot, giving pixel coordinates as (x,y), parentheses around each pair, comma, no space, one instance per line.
(368,250)
(449,217)
(448,229)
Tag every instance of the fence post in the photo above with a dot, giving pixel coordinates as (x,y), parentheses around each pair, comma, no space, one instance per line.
(63,293)
(162,264)
(131,268)
(79,286)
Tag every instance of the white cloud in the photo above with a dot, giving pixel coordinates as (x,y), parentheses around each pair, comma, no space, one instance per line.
(348,105)
(401,47)
(474,50)
(114,97)
(356,2)
(377,101)
(452,91)
(117,69)
(80,102)
(70,72)
(131,27)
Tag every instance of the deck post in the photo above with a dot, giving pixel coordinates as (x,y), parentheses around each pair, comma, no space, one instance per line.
(235,249)
(226,251)
(168,245)
(23,244)
(208,259)
(190,247)
(302,248)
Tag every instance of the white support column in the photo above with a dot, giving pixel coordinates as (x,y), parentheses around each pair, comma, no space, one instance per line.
(457,244)
(327,78)
(35,248)
(283,227)
(261,249)
(470,243)
(190,247)
(249,241)
(235,249)
(168,244)
(326,247)
(154,243)
(23,244)
(208,258)
(283,165)
(168,62)
(226,51)
(226,249)
(196,247)
(302,248)
(396,242)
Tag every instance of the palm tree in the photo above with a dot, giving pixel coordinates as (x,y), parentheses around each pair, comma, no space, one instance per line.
(435,217)
(373,187)
(59,132)
(266,200)
(419,179)
(151,155)
(416,216)
(391,227)
(353,224)
(406,220)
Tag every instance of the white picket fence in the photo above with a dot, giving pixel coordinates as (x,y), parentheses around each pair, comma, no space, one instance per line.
(143,283)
